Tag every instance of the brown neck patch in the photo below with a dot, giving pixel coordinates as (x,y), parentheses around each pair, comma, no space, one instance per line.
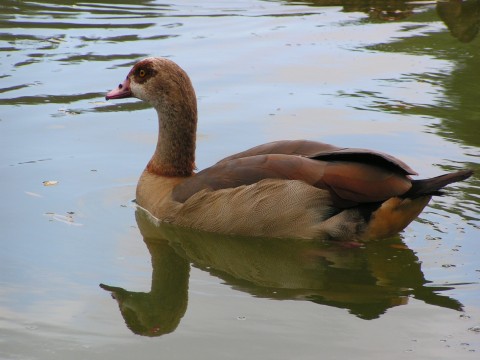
(170,171)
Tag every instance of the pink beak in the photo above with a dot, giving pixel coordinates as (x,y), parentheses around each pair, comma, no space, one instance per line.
(122,91)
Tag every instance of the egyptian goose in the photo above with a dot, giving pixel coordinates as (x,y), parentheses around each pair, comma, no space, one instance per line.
(300,189)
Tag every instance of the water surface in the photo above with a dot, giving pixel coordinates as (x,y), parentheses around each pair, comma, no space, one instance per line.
(393,76)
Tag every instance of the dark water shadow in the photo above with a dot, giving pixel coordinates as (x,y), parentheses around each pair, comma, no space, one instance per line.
(461,17)
(366,280)
(377,10)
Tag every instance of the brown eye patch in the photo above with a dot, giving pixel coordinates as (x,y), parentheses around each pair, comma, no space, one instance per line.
(143,71)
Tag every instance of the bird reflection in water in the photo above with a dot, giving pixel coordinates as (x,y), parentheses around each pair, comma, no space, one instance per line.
(367,279)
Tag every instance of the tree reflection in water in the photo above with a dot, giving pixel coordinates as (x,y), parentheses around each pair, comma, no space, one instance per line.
(461,17)
(366,279)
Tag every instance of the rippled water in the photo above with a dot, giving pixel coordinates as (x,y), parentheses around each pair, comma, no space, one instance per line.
(394,76)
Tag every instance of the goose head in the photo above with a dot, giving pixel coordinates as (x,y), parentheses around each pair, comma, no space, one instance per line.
(159,82)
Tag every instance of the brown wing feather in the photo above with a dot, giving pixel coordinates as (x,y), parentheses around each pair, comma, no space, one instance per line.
(352,183)
(349,183)
(288,147)
(326,152)
(249,170)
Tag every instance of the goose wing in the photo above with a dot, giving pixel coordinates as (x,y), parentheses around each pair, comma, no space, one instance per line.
(349,182)
(321,151)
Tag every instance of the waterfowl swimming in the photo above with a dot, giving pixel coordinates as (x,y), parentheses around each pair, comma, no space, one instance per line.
(298,188)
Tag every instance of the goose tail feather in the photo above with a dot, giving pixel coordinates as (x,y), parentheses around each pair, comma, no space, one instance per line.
(434,186)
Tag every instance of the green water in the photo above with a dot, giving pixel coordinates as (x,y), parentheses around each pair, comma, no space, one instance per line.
(388,75)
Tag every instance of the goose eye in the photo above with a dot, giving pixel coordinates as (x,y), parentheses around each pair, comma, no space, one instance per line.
(142,73)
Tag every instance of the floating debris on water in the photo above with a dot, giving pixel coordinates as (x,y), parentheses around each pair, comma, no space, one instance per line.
(50,182)
(68,111)
(475,329)
(66,219)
